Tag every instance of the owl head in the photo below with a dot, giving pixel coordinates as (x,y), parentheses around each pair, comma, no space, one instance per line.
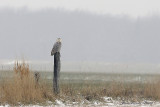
(59,40)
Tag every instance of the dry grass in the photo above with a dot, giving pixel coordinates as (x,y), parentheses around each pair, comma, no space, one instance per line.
(121,90)
(23,88)
(92,92)
(152,90)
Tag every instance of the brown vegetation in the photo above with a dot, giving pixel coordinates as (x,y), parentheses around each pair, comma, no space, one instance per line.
(24,88)
(152,90)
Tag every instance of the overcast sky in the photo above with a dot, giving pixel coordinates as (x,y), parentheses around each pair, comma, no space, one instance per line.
(133,8)
(91,30)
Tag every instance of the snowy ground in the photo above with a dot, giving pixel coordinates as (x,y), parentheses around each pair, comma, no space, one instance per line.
(108,102)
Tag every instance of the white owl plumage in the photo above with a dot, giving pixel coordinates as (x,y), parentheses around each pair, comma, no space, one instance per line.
(56,47)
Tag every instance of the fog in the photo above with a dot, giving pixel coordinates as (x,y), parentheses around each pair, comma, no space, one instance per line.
(85,36)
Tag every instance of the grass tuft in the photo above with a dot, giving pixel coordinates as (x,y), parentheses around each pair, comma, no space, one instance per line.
(23,88)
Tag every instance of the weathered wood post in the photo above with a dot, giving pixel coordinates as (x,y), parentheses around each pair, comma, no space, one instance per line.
(57,66)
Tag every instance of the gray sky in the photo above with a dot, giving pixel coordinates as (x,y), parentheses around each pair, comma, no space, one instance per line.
(99,32)
(133,8)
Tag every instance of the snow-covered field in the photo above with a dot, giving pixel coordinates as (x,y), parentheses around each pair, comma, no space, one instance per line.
(108,102)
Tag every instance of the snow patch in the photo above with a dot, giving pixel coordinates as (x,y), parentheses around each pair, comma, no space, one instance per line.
(108,102)
(60,103)
(5,106)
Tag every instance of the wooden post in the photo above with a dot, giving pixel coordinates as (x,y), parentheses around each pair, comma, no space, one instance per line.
(57,66)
